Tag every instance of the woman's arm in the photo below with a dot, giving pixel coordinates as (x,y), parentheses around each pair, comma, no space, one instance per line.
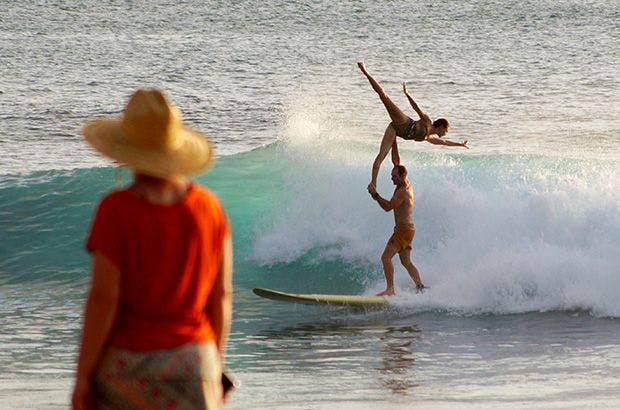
(415,106)
(387,204)
(219,306)
(440,141)
(99,316)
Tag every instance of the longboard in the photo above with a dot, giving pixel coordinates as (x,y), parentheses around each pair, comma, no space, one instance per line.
(317,299)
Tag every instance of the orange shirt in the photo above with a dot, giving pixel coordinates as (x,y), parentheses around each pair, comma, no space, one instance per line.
(169,257)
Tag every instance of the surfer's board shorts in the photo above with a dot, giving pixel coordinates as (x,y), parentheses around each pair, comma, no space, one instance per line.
(402,237)
(189,376)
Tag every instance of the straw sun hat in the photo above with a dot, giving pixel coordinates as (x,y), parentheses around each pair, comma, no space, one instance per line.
(151,138)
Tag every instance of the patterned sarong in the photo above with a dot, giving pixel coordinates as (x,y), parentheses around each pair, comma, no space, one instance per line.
(187,377)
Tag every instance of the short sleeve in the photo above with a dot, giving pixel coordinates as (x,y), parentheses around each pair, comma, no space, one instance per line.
(106,235)
(212,217)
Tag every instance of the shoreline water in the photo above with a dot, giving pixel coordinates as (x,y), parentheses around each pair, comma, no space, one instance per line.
(537,360)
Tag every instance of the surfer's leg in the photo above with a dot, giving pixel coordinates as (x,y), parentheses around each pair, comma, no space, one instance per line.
(388,269)
(395,113)
(405,259)
(386,144)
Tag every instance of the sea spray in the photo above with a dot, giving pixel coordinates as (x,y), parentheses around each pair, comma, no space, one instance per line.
(494,233)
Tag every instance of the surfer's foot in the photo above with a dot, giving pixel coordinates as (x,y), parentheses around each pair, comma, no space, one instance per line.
(387,292)
(419,288)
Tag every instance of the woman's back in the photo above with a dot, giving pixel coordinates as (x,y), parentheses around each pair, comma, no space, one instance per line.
(168,256)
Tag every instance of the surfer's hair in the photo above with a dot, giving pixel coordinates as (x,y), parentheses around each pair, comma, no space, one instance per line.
(402,171)
(441,123)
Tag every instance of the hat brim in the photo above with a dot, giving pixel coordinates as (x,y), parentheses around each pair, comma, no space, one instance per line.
(192,156)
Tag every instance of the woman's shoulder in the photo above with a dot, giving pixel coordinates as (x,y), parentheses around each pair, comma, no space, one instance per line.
(116,197)
(200,195)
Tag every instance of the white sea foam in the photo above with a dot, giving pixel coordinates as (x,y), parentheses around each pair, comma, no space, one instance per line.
(495,233)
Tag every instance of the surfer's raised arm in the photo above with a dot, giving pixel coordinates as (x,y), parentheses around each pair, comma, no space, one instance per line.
(385,204)
(414,105)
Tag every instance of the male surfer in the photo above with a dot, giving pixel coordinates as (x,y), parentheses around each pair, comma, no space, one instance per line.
(402,203)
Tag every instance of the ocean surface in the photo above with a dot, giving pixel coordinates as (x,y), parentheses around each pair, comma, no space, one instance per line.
(517,237)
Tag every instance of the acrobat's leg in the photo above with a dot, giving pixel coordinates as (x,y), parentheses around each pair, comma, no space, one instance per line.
(386,144)
(396,114)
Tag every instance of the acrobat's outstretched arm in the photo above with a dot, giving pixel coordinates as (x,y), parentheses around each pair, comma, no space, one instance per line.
(440,141)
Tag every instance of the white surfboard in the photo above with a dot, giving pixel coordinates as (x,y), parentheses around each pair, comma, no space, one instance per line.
(319,299)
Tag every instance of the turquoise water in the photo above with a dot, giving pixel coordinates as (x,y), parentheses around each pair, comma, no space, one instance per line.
(517,237)
(538,284)
(303,223)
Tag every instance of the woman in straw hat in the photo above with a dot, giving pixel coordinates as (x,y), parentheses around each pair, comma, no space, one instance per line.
(159,309)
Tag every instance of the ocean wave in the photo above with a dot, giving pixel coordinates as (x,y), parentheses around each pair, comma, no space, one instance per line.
(494,233)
